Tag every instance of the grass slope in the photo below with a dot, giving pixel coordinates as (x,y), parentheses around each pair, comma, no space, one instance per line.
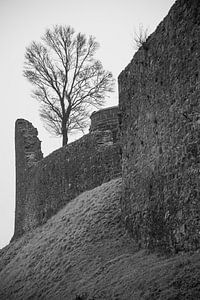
(84,252)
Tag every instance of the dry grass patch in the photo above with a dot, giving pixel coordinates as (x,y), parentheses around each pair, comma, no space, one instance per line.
(84,252)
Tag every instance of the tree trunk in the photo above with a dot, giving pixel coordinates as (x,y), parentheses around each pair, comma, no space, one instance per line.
(64,124)
(65,139)
(64,133)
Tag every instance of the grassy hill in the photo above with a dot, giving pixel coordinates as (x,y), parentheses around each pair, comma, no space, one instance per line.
(84,252)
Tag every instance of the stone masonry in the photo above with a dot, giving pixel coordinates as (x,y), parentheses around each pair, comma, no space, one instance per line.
(28,153)
(159,130)
(45,185)
(159,103)
(105,119)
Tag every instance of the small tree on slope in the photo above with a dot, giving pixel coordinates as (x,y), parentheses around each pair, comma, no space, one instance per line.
(67,79)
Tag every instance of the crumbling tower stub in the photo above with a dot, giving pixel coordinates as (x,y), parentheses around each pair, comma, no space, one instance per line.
(106,119)
(28,153)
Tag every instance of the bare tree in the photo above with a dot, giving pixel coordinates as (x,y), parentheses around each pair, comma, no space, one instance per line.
(140,36)
(67,79)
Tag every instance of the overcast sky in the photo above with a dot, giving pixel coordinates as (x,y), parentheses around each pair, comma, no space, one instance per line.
(112,22)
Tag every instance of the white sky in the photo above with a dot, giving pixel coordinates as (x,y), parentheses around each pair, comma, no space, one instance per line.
(112,22)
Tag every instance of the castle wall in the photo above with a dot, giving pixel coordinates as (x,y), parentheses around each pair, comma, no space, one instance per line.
(105,119)
(28,153)
(61,176)
(159,110)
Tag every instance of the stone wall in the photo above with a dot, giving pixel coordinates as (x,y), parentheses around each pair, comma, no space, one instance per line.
(28,153)
(159,108)
(46,186)
(105,119)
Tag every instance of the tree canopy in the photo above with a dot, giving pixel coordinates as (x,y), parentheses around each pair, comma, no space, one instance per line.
(67,79)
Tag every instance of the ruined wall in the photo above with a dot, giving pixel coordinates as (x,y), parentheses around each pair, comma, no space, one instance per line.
(159,93)
(51,183)
(105,119)
(28,153)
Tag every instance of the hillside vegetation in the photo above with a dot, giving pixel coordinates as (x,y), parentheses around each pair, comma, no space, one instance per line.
(84,252)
